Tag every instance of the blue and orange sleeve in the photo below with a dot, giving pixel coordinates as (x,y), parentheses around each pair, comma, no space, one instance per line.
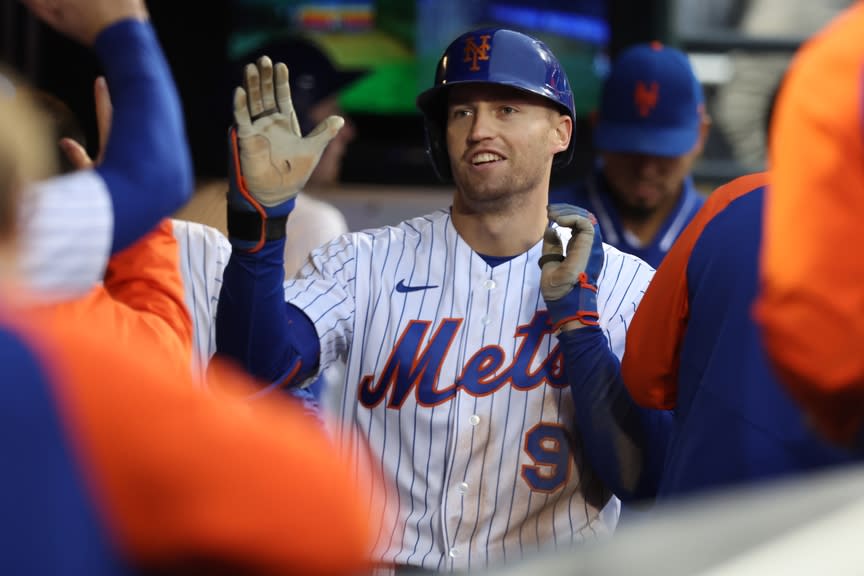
(811,304)
(652,354)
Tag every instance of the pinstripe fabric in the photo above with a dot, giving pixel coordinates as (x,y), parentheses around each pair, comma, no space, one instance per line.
(456,383)
(67,224)
(204,253)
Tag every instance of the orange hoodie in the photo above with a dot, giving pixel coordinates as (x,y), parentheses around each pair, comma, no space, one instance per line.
(811,306)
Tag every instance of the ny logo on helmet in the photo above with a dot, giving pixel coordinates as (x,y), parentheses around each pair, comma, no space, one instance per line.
(473,52)
(646,98)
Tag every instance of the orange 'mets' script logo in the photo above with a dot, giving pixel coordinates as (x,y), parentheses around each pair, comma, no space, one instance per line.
(646,98)
(473,52)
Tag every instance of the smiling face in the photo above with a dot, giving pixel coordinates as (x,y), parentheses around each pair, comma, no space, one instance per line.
(501,142)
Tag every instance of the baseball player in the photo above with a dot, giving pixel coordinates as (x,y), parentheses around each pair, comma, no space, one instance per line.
(74,222)
(142,294)
(810,307)
(163,281)
(696,404)
(651,127)
(454,374)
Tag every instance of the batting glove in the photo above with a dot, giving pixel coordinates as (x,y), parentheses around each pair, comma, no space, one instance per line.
(269,160)
(569,284)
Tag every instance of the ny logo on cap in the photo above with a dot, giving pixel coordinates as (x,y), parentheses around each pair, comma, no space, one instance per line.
(473,52)
(645,97)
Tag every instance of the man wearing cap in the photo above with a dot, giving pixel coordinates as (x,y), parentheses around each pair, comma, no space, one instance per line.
(651,127)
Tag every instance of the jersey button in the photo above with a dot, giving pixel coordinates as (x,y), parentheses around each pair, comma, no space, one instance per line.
(489,284)
(474,420)
(454,552)
(485,320)
(462,488)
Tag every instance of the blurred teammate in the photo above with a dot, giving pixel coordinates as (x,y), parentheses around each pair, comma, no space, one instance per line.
(695,405)
(114,463)
(811,305)
(453,369)
(74,222)
(142,293)
(650,129)
(179,263)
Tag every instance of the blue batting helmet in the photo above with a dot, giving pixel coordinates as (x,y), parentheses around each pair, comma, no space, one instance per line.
(493,56)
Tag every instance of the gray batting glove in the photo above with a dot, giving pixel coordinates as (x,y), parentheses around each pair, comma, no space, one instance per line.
(580,268)
(275,159)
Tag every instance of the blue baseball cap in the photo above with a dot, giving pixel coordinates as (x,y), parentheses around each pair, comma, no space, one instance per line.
(652,103)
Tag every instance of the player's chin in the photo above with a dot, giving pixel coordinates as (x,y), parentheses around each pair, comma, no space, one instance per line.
(478,178)
(484,196)
(638,207)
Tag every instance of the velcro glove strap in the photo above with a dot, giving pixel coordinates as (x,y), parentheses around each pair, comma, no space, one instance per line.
(569,283)
(579,304)
(249,227)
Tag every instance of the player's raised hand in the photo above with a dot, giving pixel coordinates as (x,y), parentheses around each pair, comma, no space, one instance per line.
(83,20)
(569,284)
(275,159)
(76,153)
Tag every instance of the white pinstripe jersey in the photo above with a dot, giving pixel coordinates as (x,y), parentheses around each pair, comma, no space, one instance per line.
(204,253)
(66,231)
(456,383)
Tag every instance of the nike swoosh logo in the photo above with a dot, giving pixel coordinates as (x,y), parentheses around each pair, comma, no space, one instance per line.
(401,287)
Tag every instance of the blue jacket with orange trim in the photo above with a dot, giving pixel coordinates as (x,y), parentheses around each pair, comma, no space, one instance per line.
(693,352)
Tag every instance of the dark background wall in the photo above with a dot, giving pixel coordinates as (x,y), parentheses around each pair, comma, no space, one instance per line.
(195,43)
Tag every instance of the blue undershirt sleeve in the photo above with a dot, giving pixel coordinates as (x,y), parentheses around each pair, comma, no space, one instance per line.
(147,165)
(625,443)
(270,338)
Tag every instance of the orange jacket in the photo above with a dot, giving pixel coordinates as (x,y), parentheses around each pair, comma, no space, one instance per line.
(185,474)
(190,480)
(140,298)
(811,307)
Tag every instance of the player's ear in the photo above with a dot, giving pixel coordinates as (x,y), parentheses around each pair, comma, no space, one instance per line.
(562,131)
